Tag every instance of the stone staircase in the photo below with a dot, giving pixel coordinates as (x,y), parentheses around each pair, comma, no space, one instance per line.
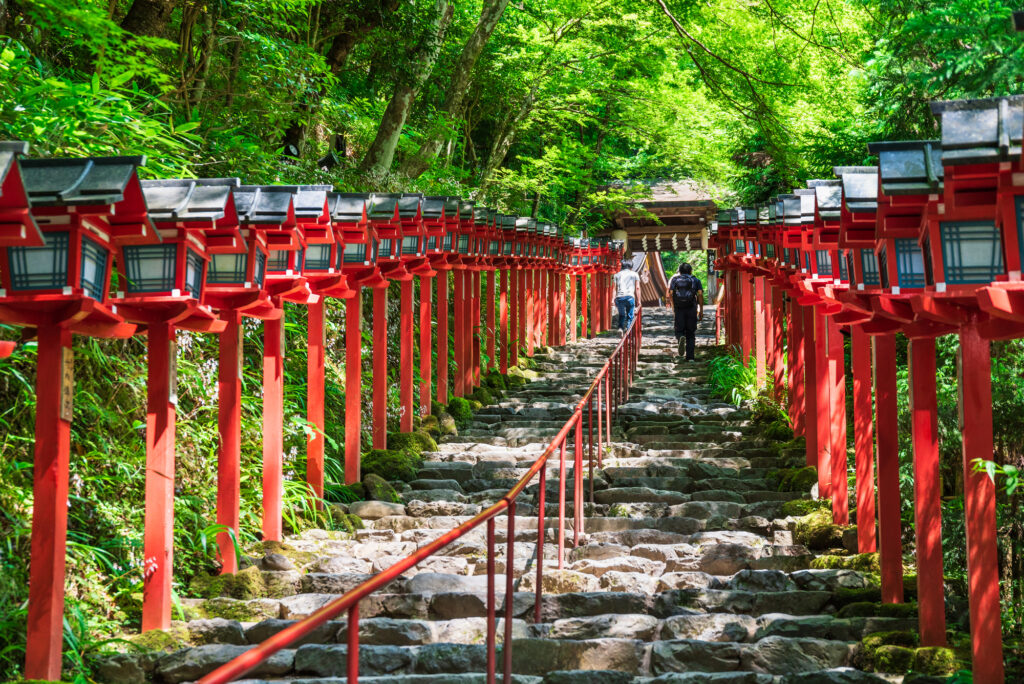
(686,571)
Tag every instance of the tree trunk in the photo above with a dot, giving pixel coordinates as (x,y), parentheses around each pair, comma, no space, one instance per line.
(454,96)
(148,17)
(382,151)
(503,141)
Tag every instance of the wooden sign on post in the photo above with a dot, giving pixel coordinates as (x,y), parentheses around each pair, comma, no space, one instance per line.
(67,384)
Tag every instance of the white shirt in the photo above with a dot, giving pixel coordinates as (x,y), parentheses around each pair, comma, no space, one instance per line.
(626,282)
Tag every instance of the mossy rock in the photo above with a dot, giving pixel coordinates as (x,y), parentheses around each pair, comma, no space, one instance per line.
(525,363)
(844,596)
(816,531)
(483,396)
(858,609)
(414,442)
(894,638)
(300,558)
(392,464)
(378,489)
(475,405)
(436,408)
(244,584)
(516,382)
(461,410)
(523,374)
(898,610)
(801,507)
(166,640)
(861,562)
(892,659)
(431,426)
(934,660)
(779,431)
(243,611)
(348,522)
(446,424)
(495,381)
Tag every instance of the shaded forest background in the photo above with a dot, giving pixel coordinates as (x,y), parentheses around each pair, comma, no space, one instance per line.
(545,108)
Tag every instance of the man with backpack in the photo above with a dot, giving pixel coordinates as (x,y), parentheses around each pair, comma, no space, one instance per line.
(687,297)
(627,282)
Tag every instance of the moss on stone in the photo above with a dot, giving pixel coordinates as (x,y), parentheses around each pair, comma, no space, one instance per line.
(300,558)
(446,424)
(431,426)
(801,507)
(349,522)
(898,610)
(893,638)
(171,639)
(248,584)
(495,381)
(243,611)
(483,395)
(779,431)
(392,464)
(861,562)
(436,407)
(378,489)
(892,659)
(844,596)
(461,411)
(414,442)
(816,531)
(858,609)
(934,660)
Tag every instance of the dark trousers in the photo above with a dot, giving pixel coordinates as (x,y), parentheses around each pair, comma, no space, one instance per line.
(626,306)
(686,326)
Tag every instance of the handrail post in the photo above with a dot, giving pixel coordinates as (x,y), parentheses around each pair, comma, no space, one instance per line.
(491,625)
(608,416)
(510,579)
(352,666)
(590,442)
(540,540)
(577,484)
(561,504)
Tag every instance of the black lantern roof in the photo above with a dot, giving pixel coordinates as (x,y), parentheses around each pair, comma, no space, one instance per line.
(382,207)
(522,224)
(87,180)
(466,208)
(482,215)
(436,206)
(828,195)
(909,167)
(790,205)
(409,204)
(532,225)
(981,131)
(310,201)
(724,217)
(347,207)
(762,214)
(265,204)
(773,210)
(808,200)
(187,199)
(506,221)
(859,187)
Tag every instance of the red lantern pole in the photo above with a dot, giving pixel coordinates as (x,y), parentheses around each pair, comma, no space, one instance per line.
(353,385)
(426,327)
(769,334)
(54,385)
(823,406)
(515,314)
(810,375)
(797,369)
(158,545)
(442,337)
(315,359)
(595,297)
(229,423)
(572,307)
(837,400)
(584,331)
(746,317)
(380,367)
(778,368)
(491,344)
(760,343)
(459,316)
(531,293)
(863,439)
(890,544)
(503,340)
(475,301)
(980,507)
(405,383)
(273,437)
(927,493)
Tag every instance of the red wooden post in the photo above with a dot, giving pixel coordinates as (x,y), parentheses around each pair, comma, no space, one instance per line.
(503,339)
(562,331)
(927,493)
(458,322)
(353,385)
(759,331)
(45,635)
(273,417)
(823,405)
(572,307)
(442,337)
(229,425)
(530,310)
(778,367)
(491,345)
(810,375)
(584,292)
(797,370)
(315,340)
(769,335)
(975,370)
(890,544)
(158,548)
(475,312)
(380,367)
(513,328)
(863,439)
(837,402)
(746,321)
(426,329)
(595,308)
(405,352)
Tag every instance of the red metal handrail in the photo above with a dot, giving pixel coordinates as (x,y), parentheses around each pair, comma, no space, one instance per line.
(612,385)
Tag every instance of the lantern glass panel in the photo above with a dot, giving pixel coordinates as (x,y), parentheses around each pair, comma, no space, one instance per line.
(261,269)
(929,267)
(385,249)
(463,244)
(355,253)
(226,269)
(739,246)
(785,254)
(94,268)
(193,273)
(410,244)
(883,268)
(909,263)
(807,261)
(494,248)
(824,262)
(150,268)
(769,249)
(506,248)
(432,243)
(972,252)
(318,257)
(870,266)
(845,260)
(40,268)
(446,244)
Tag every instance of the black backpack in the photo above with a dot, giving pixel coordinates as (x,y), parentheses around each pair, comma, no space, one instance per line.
(683,292)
